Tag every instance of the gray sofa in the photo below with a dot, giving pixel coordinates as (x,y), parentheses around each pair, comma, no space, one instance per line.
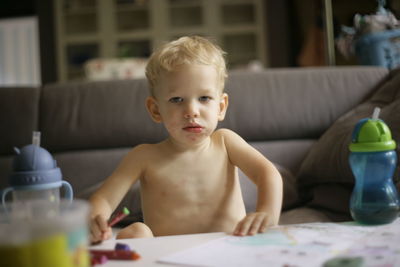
(301,119)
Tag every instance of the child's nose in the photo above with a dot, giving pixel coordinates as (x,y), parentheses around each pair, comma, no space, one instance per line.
(191,110)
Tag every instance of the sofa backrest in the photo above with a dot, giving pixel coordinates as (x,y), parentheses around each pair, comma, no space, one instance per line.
(268,105)
(19,113)
(295,103)
(89,115)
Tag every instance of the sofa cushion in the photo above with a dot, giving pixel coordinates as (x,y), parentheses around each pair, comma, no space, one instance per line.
(107,114)
(288,154)
(303,215)
(86,170)
(18,117)
(278,104)
(276,152)
(327,162)
(249,190)
(5,170)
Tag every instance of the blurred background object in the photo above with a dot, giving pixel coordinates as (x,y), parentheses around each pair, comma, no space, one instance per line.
(274,33)
(19,52)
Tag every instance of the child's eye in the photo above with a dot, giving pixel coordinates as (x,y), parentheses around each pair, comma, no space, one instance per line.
(204,98)
(175,99)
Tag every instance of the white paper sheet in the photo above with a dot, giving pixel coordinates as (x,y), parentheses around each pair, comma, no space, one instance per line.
(298,245)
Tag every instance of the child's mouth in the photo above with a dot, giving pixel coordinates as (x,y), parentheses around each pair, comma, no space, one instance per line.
(193,128)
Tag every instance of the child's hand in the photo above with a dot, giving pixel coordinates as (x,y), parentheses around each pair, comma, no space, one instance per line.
(252,224)
(99,229)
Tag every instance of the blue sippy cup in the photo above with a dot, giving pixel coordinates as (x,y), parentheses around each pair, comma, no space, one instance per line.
(373,161)
(35,175)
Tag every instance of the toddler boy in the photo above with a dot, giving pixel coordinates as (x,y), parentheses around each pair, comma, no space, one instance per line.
(189,182)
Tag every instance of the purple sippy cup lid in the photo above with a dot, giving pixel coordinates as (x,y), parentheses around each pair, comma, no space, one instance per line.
(34,165)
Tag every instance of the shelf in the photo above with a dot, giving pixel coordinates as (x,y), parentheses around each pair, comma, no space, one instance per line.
(237,14)
(80,23)
(80,11)
(134,48)
(132,20)
(132,16)
(136,35)
(238,44)
(239,29)
(185,3)
(178,32)
(74,5)
(130,8)
(238,2)
(131,4)
(187,16)
(81,39)
(132,28)
(77,55)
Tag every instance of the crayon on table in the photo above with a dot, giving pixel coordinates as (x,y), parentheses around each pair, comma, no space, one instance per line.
(118,217)
(115,254)
(122,246)
(98,259)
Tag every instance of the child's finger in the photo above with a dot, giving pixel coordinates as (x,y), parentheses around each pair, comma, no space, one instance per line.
(102,223)
(264,225)
(238,228)
(245,225)
(107,234)
(95,231)
(255,226)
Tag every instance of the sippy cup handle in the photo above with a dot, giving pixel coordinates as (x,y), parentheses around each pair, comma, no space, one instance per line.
(4,193)
(68,190)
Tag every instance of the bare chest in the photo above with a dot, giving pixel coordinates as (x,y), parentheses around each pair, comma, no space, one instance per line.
(188,176)
(190,194)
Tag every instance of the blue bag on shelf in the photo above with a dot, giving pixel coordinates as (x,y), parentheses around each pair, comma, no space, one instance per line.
(379,48)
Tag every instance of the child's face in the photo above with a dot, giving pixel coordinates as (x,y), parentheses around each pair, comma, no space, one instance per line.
(189,102)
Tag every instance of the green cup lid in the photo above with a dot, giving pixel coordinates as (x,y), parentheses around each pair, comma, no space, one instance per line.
(371,135)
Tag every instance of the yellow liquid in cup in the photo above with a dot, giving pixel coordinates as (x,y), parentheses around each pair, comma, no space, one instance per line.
(51,251)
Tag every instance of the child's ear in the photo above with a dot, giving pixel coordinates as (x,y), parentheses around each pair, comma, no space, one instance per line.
(152,108)
(223,106)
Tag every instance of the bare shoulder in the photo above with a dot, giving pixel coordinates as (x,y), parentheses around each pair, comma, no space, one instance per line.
(135,161)
(223,132)
(137,157)
(233,142)
(143,148)
(143,151)
(228,136)
(129,170)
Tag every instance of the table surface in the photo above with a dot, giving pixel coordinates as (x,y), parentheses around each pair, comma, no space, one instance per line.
(152,249)
(317,242)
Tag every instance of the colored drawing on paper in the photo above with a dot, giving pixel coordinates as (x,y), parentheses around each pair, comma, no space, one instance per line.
(272,237)
(300,245)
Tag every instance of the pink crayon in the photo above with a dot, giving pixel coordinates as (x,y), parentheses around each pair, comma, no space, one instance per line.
(118,217)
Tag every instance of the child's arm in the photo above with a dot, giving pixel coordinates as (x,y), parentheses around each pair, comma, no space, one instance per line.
(109,195)
(267,178)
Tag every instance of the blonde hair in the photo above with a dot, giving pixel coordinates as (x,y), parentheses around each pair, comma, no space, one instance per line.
(185,50)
